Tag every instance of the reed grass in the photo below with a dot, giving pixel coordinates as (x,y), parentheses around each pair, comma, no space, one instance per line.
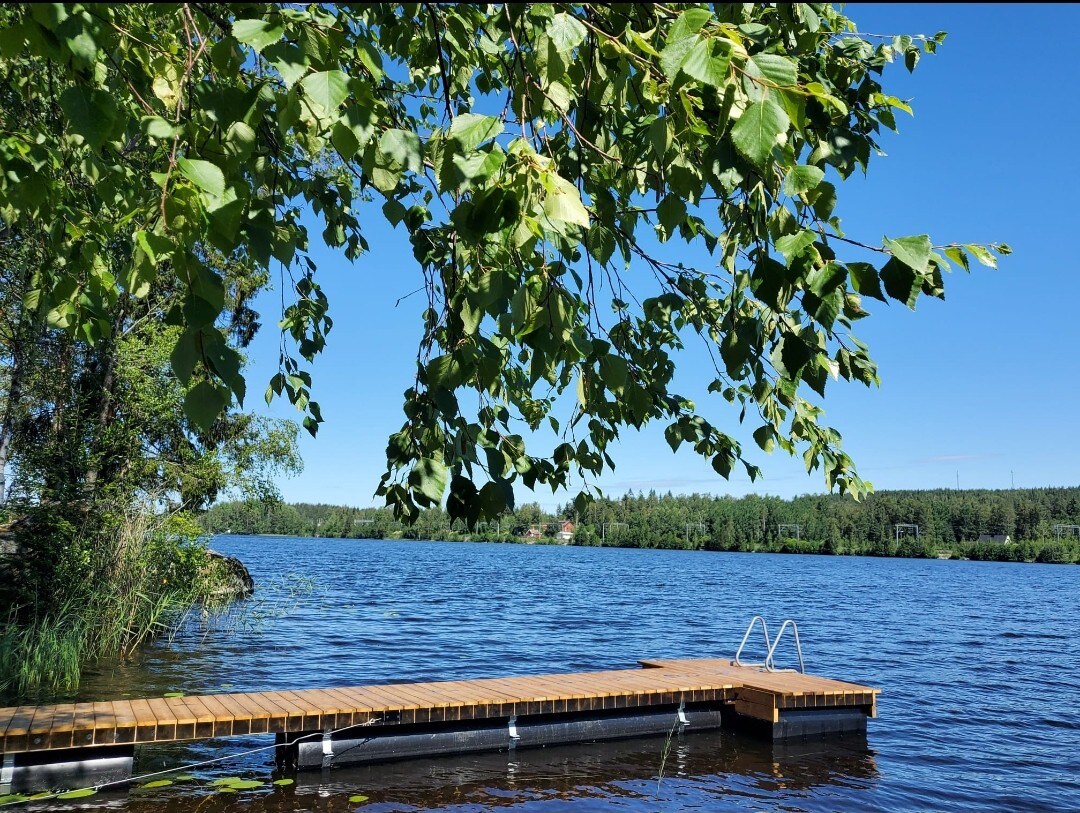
(141,584)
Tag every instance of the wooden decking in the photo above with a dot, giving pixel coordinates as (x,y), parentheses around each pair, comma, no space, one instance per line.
(757,694)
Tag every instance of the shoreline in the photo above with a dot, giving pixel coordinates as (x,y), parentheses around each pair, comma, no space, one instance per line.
(702,549)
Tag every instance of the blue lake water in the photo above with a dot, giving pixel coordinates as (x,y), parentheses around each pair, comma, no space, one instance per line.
(979,666)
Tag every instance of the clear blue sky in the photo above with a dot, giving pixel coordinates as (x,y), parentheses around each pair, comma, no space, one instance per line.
(981,388)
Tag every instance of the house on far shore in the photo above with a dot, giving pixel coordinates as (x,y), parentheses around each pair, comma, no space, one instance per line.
(995,538)
(565,534)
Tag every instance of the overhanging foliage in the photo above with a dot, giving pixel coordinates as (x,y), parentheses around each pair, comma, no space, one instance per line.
(534,154)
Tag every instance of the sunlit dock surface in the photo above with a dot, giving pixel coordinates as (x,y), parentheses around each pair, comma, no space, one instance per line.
(335,726)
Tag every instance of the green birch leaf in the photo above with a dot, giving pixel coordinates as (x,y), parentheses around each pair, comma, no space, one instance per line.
(707,61)
(492,500)
(671,212)
(471,317)
(778,70)
(90,112)
(185,355)
(722,463)
(865,280)
(241,138)
(566,33)
(563,202)
(914,251)
(828,308)
(763,436)
(802,179)
(158,128)
(344,141)
(689,22)
(289,60)
(792,245)
(204,403)
(790,355)
(444,371)
(328,89)
(257,33)
(761,127)
(403,147)
(826,279)
(957,255)
(428,477)
(981,254)
(471,130)
(479,166)
(901,282)
(205,175)
(674,55)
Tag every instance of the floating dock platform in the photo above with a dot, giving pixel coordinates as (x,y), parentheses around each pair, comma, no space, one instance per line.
(83,744)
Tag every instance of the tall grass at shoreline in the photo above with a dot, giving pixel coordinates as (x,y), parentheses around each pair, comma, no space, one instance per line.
(155,569)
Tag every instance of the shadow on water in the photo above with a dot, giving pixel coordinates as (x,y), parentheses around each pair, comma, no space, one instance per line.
(723,770)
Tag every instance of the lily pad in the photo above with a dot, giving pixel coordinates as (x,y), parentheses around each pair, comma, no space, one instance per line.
(76,794)
(173,694)
(358,798)
(226,780)
(158,783)
(247,784)
(185,777)
(12,798)
(283,782)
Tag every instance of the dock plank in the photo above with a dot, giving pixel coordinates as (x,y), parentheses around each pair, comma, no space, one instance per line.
(665,682)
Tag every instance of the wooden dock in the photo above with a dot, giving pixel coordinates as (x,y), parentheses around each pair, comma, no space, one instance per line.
(781,704)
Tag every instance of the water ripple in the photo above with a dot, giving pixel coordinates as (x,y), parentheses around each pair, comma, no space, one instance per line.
(980,709)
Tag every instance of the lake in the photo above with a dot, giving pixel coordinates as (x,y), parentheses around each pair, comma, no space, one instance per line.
(979,666)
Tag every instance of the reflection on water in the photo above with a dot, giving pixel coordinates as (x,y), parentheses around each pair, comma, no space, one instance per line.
(978,665)
(704,770)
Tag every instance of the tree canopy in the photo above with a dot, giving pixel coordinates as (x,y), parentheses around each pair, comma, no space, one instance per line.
(538,157)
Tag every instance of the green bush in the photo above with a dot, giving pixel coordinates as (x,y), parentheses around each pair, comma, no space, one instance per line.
(156,569)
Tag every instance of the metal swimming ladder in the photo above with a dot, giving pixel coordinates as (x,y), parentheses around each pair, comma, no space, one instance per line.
(770,645)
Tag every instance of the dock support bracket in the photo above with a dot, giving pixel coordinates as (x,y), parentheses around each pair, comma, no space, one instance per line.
(7,772)
(327,751)
(512,729)
(681,716)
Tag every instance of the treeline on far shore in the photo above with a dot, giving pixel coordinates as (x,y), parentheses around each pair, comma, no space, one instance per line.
(1034,525)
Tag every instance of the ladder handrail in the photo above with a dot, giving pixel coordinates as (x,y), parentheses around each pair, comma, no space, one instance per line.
(769,665)
(746,637)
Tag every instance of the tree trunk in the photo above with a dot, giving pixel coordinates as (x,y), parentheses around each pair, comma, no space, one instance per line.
(23,345)
(7,424)
(103,392)
(103,417)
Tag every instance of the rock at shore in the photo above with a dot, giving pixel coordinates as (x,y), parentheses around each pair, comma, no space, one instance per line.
(238,582)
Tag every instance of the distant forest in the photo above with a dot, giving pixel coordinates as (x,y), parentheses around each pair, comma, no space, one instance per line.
(1041,524)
